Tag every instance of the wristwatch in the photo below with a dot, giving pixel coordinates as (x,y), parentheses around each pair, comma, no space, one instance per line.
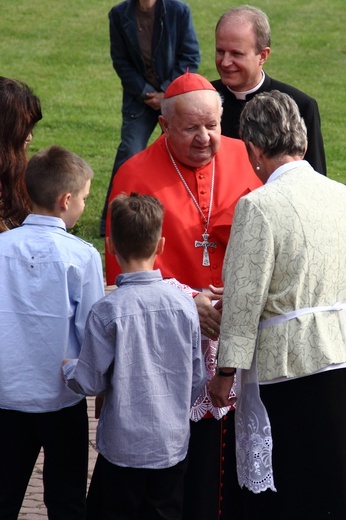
(220,372)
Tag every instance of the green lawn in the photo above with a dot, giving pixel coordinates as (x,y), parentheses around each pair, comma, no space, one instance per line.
(61,49)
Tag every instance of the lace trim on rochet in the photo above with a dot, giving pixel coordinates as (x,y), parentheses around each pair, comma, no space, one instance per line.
(203,403)
(254,443)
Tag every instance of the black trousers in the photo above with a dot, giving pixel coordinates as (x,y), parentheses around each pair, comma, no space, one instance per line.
(64,438)
(136,494)
(308,421)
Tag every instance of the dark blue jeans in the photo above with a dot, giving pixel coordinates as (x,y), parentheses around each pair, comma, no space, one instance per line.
(135,134)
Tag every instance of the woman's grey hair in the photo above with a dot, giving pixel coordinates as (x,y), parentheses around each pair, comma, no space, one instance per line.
(271,121)
(245,14)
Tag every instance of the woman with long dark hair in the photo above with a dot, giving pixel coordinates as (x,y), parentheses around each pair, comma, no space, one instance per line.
(20,110)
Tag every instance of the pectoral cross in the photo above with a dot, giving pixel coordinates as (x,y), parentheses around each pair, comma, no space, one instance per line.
(205,244)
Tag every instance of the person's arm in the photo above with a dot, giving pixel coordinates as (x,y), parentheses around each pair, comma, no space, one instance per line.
(188,53)
(153,100)
(315,153)
(91,290)
(199,376)
(124,58)
(248,266)
(90,373)
(220,386)
(209,314)
(68,374)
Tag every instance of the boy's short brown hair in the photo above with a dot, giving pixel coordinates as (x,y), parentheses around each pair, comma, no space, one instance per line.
(53,172)
(136,225)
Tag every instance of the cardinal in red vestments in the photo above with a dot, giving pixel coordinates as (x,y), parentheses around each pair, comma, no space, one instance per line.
(199,176)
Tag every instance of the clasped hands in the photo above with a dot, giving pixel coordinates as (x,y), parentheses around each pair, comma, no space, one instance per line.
(154,100)
(209,314)
(210,319)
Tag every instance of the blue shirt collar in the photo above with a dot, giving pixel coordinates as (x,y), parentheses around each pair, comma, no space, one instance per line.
(43,220)
(139,277)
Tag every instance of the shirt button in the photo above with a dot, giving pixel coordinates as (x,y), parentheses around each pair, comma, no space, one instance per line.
(203,192)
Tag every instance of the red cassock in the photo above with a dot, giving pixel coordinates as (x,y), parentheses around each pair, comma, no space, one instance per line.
(151,172)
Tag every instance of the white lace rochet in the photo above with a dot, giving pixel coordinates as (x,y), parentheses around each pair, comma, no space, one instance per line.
(253,434)
(254,441)
(203,403)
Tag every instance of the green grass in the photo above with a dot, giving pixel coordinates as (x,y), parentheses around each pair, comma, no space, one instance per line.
(61,49)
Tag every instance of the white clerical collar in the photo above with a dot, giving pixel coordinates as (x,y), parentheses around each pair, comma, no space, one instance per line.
(286,167)
(242,95)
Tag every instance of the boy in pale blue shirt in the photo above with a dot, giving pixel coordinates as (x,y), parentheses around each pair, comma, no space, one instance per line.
(142,349)
(49,279)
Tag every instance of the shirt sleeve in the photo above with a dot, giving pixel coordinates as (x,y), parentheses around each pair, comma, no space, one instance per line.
(132,80)
(188,54)
(247,272)
(91,373)
(315,153)
(91,290)
(199,376)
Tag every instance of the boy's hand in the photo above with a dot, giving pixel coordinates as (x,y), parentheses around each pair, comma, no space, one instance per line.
(66,360)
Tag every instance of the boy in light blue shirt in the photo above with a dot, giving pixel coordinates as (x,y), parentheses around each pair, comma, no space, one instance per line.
(142,349)
(49,280)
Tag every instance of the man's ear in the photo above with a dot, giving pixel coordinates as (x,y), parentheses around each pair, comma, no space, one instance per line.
(64,201)
(163,124)
(264,55)
(160,246)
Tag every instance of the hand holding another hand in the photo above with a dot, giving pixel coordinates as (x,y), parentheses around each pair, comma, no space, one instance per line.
(209,314)
(219,388)
(154,100)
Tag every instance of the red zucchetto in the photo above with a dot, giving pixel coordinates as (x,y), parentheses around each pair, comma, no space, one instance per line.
(187,82)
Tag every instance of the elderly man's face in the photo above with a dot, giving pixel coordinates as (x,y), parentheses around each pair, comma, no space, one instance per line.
(236,58)
(194,131)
